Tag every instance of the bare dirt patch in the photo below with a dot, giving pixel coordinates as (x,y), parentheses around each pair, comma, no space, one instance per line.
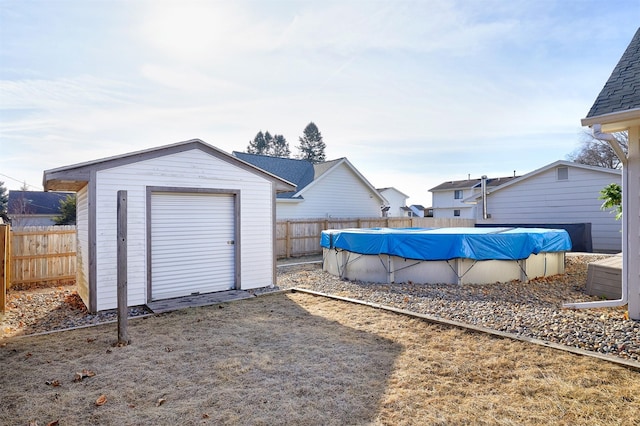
(300,359)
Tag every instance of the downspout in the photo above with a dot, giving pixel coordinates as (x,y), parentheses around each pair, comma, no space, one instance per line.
(615,145)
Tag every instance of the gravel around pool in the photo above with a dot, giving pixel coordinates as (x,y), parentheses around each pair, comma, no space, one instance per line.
(530,309)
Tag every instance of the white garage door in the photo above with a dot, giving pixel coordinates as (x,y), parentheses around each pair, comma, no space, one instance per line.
(192,244)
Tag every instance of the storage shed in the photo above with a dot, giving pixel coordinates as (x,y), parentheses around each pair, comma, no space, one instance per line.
(199,221)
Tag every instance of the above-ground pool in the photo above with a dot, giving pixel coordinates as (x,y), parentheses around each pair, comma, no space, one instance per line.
(444,255)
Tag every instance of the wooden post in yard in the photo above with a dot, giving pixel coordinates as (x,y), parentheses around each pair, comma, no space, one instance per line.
(123,337)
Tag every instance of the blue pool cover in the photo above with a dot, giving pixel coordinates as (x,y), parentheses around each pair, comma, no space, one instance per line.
(448,243)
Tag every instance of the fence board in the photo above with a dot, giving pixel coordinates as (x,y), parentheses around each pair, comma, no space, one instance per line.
(301,237)
(43,254)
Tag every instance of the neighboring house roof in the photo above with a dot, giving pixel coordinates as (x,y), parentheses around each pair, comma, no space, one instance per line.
(621,92)
(301,172)
(323,169)
(35,202)
(615,172)
(75,176)
(471,183)
(391,188)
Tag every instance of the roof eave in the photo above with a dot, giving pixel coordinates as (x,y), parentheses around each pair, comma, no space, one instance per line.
(615,121)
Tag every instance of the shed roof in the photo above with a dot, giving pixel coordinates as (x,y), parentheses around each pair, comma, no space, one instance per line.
(75,176)
(621,92)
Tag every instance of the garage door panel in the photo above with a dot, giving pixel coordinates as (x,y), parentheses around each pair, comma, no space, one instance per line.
(192,244)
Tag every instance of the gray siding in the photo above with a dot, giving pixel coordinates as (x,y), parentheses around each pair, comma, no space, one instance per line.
(545,199)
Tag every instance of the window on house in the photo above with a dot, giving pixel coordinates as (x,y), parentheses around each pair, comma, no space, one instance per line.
(562,173)
(457,194)
(456,212)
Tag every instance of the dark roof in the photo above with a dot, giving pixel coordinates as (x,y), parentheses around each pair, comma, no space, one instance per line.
(299,172)
(621,92)
(35,202)
(471,183)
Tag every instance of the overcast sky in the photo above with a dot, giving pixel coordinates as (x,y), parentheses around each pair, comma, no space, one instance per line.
(413,93)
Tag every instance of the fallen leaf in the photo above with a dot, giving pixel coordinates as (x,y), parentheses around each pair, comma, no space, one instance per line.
(54,383)
(91,340)
(54,423)
(102,399)
(168,349)
(83,374)
(205,416)
(160,402)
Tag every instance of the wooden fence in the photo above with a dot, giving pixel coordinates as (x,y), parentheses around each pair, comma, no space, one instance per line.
(5,267)
(43,254)
(301,237)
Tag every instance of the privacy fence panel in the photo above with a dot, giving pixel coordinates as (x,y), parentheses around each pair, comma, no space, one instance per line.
(5,267)
(43,255)
(301,237)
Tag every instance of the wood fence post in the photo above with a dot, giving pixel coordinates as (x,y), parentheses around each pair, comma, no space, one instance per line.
(5,265)
(288,240)
(123,337)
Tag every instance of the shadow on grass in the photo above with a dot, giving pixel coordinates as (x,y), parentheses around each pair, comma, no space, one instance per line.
(260,361)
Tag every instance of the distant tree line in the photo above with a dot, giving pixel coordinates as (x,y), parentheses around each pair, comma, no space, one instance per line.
(311,146)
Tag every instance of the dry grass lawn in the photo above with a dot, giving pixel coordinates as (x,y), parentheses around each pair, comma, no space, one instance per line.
(304,360)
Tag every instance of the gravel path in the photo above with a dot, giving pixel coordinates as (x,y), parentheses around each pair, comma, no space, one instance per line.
(532,309)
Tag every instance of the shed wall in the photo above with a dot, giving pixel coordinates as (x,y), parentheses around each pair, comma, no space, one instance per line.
(188,169)
(82,243)
(545,199)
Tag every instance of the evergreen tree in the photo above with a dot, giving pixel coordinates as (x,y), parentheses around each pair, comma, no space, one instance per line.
(67,214)
(273,146)
(259,144)
(280,147)
(311,146)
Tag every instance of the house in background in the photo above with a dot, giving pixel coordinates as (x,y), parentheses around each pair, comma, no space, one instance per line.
(34,208)
(397,202)
(562,192)
(448,198)
(415,210)
(332,189)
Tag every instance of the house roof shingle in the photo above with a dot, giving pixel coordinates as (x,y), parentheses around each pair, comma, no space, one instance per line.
(299,172)
(471,183)
(621,92)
